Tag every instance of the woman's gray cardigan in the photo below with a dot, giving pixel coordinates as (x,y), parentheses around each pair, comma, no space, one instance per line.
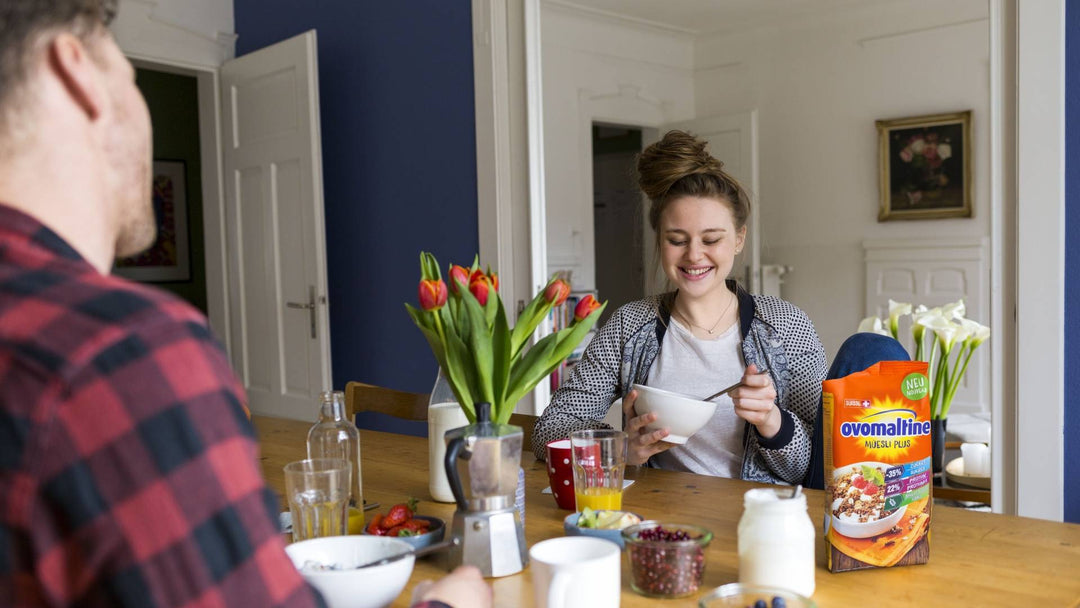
(776,335)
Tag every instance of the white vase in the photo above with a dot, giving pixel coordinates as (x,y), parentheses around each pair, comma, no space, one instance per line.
(441,418)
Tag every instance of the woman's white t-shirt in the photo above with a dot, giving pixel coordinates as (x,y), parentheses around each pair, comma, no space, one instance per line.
(697,368)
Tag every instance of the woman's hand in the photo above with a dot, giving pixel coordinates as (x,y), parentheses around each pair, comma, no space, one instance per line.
(755,402)
(641,444)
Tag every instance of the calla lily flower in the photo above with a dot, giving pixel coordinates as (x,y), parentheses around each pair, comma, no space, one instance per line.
(946,332)
(872,325)
(977,333)
(954,310)
(896,310)
(950,328)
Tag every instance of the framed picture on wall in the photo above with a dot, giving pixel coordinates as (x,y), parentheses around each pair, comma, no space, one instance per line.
(925,167)
(169,258)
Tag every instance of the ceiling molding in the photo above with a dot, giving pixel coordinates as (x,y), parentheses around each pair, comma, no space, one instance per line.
(620,19)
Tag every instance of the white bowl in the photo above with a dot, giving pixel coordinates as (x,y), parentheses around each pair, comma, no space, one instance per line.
(348,587)
(682,416)
(854,529)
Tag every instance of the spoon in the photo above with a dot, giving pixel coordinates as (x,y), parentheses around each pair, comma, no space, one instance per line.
(724,391)
(432,548)
(730,388)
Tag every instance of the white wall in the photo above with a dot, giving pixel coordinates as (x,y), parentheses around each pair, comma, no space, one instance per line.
(818,86)
(614,72)
(193,33)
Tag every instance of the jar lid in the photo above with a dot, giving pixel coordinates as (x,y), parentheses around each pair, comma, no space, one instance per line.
(773,498)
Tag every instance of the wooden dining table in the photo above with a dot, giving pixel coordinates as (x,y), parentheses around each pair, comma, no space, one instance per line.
(976,558)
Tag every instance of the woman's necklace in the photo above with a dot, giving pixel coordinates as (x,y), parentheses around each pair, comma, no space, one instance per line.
(711,330)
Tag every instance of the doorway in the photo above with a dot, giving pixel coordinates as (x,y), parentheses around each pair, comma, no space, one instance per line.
(173,101)
(618,216)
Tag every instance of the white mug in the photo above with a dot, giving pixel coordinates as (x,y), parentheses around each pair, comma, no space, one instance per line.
(576,572)
(441,418)
(976,459)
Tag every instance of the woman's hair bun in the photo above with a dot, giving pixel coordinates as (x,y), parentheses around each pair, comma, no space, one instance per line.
(680,165)
(674,157)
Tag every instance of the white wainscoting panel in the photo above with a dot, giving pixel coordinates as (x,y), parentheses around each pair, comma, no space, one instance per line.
(933,272)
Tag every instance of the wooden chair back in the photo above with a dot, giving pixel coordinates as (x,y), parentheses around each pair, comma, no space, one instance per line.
(526,422)
(394,411)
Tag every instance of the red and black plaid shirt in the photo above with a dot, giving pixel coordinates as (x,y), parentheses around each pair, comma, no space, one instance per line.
(128,468)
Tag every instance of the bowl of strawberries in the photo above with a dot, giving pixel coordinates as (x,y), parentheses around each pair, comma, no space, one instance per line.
(402,522)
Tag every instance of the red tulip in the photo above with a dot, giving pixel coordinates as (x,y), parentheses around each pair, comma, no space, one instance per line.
(494,281)
(458,274)
(585,307)
(557,292)
(480,286)
(432,294)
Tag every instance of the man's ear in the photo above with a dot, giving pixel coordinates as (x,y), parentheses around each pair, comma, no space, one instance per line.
(72,63)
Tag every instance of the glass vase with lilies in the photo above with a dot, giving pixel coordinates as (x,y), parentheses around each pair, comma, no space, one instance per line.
(942,337)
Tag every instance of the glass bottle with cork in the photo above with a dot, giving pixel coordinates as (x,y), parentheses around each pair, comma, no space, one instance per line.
(334,436)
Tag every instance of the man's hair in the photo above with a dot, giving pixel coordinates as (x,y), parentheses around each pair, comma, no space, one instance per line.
(23,24)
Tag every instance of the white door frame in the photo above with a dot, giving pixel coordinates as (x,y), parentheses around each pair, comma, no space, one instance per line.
(1027,56)
(1027,242)
(210,151)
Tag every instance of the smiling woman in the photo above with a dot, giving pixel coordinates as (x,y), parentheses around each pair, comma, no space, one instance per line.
(707,332)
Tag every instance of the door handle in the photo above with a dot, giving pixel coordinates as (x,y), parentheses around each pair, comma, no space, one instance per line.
(310,307)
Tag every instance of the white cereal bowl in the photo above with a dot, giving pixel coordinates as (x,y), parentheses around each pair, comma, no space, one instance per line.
(682,416)
(348,587)
(854,529)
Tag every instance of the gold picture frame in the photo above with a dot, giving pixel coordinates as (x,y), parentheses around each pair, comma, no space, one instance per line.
(925,167)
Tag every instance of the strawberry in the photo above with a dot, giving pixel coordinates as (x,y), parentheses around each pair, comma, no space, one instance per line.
(397,531)
(415,527)
(399,514)
(373,527)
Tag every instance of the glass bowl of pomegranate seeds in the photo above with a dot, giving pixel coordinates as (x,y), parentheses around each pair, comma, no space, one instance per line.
(666,560)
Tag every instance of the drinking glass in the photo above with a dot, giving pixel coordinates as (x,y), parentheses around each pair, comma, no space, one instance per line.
(318,493)
(599,457)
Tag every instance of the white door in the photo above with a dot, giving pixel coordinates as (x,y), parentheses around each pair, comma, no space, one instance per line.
(274,226)
(733,140)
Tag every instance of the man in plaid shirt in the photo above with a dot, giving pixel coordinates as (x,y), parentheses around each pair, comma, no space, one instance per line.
(128,466)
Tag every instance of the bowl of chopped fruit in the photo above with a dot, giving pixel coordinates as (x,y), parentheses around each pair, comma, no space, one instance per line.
(607,525)
(402,522)
(738,595)
(666,560)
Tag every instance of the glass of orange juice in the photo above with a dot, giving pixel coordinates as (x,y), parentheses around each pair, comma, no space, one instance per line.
(599,457)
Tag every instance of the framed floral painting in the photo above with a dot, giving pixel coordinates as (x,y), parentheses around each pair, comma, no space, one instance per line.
(169,258)
(925,167)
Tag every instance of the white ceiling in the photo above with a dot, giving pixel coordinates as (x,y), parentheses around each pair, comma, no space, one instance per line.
(712,16)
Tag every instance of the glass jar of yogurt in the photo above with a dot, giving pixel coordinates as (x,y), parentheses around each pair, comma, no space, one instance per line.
(776,541)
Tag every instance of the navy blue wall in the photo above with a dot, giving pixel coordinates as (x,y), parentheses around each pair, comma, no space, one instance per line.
(399,164)
(1072,262)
